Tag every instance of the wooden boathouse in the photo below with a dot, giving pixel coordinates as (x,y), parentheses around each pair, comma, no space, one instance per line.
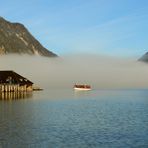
(10,81)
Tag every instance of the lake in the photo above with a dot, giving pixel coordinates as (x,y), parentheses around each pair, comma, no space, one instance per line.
(69,119)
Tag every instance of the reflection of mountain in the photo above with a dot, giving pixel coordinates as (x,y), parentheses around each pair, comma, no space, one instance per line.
(15,95)
(144,58)
(15,38)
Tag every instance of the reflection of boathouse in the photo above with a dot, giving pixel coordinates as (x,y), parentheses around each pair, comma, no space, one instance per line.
(15,95)
(13,82)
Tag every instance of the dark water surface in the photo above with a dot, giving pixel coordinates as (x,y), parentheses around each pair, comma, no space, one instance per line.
(68,119)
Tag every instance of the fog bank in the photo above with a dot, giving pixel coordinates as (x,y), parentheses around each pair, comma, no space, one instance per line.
(99,71)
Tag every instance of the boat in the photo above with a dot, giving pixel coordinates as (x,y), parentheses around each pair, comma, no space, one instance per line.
(82,87)
(37,88)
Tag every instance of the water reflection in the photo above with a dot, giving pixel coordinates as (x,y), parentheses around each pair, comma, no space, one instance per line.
(104,119)
(15,95)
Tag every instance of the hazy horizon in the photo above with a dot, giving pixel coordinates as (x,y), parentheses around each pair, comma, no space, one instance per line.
(101,72)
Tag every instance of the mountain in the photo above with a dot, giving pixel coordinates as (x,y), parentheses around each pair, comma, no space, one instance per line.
(144,58)
(15,38)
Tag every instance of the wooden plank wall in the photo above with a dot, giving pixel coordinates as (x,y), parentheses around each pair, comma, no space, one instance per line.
(14,88)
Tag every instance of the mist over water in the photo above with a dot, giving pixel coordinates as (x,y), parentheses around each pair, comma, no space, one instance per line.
(61,117)
(99,71)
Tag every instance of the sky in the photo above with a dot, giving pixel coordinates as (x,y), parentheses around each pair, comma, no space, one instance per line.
(104,27)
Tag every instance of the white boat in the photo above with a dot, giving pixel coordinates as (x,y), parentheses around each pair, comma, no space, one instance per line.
(82,87)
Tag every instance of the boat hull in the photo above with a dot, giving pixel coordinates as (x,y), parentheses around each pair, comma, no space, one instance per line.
(82,89)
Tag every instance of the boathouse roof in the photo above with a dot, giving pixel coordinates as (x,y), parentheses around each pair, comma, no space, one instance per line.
(14,78)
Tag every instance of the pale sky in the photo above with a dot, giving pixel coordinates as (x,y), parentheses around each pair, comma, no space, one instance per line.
(107,27)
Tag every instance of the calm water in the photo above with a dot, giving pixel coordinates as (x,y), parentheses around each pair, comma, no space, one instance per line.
(68,119)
